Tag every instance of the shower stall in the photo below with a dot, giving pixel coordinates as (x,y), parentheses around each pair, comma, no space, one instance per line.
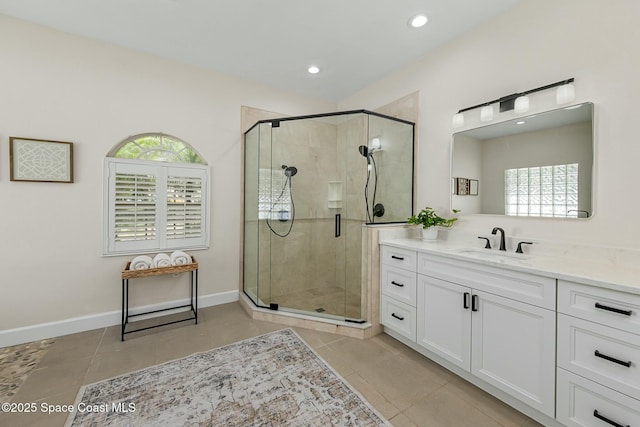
(311,185)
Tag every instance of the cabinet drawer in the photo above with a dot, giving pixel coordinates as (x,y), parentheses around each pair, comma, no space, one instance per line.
(399,284)
(584,403)
(396,257)
(613,308)
(605,355)
(524,287)
(398,316)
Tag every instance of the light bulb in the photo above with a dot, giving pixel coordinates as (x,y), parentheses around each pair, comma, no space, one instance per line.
(486,114)
(565,94)
(458,120)
(521,104)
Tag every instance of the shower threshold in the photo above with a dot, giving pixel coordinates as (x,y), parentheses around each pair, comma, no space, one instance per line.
(334,324)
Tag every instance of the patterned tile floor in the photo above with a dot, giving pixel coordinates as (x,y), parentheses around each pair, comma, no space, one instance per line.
(407,388)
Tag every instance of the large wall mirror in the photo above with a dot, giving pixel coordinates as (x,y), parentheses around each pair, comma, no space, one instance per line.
(535,166)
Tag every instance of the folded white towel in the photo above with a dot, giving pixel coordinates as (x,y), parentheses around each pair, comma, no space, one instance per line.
(141,262)
(161,260)
(180,258)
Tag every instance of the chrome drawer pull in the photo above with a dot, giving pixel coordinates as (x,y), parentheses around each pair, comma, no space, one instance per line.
(607,420)
(615,310)
(400,258)
(400,285)
(612,359)
(396,316)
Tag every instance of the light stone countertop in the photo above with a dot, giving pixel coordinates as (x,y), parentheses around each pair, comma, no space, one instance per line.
(610,268)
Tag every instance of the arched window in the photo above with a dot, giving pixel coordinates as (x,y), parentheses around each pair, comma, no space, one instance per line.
(157,147)
(156,190)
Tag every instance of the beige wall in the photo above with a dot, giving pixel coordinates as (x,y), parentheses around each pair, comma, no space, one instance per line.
(536,43)
(62,87)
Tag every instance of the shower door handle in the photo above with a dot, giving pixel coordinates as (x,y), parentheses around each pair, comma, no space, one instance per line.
(337,226)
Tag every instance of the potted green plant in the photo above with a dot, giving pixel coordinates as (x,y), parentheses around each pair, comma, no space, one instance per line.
(430,221)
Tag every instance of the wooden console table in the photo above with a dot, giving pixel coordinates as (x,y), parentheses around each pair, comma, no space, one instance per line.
(135,274)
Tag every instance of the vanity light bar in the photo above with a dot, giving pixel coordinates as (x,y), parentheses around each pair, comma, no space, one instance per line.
(507,102)
(518,102)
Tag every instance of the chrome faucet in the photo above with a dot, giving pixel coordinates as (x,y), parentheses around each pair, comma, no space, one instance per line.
(503,247)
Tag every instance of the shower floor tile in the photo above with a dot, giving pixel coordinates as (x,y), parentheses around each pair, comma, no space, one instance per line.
(332,300)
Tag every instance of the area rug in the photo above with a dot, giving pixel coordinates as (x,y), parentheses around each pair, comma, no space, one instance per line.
(271,380)
(16,363)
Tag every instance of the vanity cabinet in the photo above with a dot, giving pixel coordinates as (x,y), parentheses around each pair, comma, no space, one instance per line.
(568,350)
(598,356)
(496,324)
(398,291)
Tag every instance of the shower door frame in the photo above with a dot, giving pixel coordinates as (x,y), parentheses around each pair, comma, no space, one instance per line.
(275,123)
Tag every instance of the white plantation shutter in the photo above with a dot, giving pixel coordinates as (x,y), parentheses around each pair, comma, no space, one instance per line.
(135,207)
(153,206)
(185,206)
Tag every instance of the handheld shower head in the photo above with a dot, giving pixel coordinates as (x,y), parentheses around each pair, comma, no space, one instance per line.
(363,150)
(289,171)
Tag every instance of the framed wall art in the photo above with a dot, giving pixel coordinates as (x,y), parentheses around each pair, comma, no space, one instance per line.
(473,187)
(465,187)
(461,186)
(40,160)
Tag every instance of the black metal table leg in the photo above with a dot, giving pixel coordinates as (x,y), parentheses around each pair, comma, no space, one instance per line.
(196,296)
(124,319)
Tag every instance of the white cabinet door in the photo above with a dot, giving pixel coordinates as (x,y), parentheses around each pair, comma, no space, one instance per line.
(513,349)
(444,324)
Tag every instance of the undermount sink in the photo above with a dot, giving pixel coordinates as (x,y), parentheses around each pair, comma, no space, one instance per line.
(492,254)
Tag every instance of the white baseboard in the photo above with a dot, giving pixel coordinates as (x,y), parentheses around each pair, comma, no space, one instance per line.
(42,331)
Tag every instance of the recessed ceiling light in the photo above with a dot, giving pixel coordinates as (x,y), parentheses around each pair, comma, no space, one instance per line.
(313,69)
(520,122)
(418,21)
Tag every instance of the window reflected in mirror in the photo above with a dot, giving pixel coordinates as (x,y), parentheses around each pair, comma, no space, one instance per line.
(535,166)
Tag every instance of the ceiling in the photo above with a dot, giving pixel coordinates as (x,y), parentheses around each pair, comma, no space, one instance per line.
(353,42)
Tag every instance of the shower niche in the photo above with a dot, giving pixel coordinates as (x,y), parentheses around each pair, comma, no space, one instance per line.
(311,186)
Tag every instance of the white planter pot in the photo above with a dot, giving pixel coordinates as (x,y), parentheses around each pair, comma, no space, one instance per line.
(430,233)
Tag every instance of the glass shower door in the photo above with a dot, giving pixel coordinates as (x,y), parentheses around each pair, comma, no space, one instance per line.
(310,225)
